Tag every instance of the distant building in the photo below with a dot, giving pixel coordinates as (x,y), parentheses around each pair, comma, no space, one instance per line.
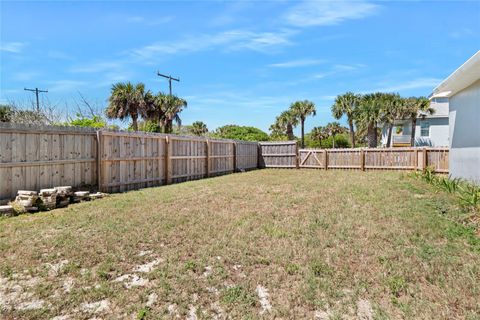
(462,88)
(431,130)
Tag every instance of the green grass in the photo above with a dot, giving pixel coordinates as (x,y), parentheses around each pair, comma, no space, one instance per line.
(316,240)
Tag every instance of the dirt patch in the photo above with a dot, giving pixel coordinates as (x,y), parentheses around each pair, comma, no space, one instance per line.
(102,306)
(148,267)
(263,296)
(132,280)
(364,310)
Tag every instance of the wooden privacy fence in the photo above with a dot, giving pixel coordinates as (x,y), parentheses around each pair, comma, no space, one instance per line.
(375,159)
(282,154)
(131,161)
(32,158)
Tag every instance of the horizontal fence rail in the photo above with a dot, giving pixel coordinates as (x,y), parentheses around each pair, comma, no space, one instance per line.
(375,159)
(32,158)
(281,154)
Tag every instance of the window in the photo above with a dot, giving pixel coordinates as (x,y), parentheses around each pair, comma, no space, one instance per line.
(425,129)
(440,100)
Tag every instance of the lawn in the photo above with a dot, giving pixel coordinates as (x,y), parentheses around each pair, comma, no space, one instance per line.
(262,244)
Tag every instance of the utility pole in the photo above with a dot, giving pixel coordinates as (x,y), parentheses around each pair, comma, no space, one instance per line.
(36,90)
(170,78)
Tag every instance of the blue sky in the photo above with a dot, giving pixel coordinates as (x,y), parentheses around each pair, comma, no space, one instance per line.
(238,62)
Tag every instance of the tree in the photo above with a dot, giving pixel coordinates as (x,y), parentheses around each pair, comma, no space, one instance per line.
(284,124)
(127,101)
(415,108)
(95,121)
(347,104)
(319,134)
(392,109)
(173,105)
(240,133)
(332,129)
(198,128)
(368,116)
(302,109)
(6,113)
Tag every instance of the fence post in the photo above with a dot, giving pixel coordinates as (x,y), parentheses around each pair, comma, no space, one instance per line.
(234,144)
(297,155)
(259,155)
(425,160)
(325,159)
(415,159)
(99,160)
(207,158)
(168,160)
(362,159)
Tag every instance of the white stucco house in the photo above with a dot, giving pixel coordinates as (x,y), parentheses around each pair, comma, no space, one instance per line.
(430,131)
(462,88)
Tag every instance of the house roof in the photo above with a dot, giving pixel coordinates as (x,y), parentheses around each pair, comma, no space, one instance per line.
(464,76)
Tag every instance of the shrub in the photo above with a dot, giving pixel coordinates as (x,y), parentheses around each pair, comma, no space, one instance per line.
(240,133)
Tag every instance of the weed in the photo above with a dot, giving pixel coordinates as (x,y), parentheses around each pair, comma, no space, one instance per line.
(292,268)
(470,195)
(238,295)
(191,265)
(397,285)
(449,185)
(320,269)
(142,314)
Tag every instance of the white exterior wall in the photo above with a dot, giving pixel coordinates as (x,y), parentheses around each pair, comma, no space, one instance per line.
(465,133)
(439,133)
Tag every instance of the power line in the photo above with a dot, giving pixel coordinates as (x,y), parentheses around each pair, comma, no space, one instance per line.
(36,90)
(170,78)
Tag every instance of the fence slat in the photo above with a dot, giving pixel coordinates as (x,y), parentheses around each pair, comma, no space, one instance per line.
(376,159)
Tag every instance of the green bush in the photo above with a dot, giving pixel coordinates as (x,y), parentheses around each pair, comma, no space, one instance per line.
(240,133)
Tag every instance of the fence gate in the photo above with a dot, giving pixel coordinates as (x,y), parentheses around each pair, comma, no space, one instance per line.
(282,154)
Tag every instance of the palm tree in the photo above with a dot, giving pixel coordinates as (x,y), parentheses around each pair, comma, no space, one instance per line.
(392,109)
(284,124)
(156,105)
(415,108)
(302,109)
(347,104)
(173,106)
(319,134)
(199,128)
(165,109)
(334,128)
(127,101)
(368,116)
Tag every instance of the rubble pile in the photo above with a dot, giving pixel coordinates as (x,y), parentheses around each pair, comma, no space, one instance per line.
(48,198)
(64,195)
(27,200)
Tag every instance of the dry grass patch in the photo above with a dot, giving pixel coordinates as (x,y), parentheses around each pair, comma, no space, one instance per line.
(262,244)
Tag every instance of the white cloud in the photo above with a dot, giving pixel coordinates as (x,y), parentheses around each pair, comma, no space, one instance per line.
(296,63)
(461,33)
(65,85)
(25,75)
(228,40)
(12,47)
(339,69)
(148,21)
(97,67)
(59,55)
(418,83)
(322,13)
